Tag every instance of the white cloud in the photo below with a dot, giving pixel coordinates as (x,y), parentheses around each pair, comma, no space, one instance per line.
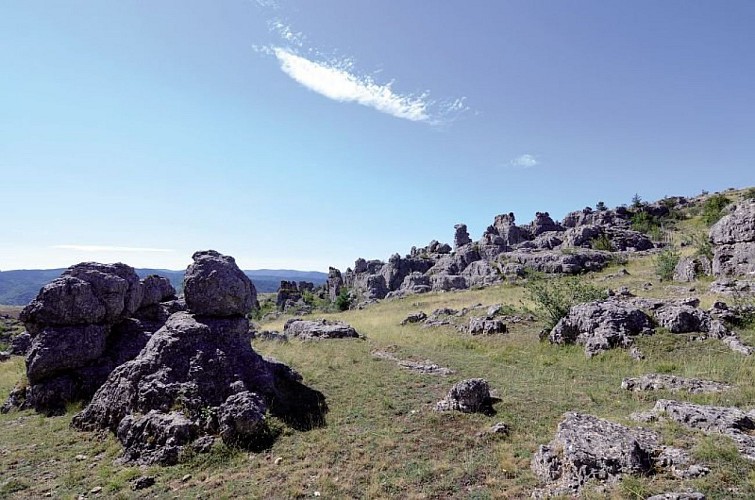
(336,79)
(524,161)
(340,85)
(107,248)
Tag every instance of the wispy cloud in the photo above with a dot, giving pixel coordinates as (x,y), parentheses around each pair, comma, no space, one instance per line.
(524,161)
(108,248)
(336,79)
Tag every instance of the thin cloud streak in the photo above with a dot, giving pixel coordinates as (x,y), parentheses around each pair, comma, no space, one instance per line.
(108,248)
(340,85)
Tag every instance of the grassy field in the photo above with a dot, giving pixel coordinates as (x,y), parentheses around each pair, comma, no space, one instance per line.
(382,438)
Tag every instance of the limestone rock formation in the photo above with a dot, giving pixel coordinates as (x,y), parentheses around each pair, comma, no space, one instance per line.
(601,325)
(691,268)
(586,448)
(467,396)
(729,421)
(486,326)
(657,382)
(81,326)
(318,330)
(215,286)
(198,377)
(461,236)
(733,238)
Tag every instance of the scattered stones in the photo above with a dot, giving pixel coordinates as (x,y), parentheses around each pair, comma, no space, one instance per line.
(600,326)
(317,330)
(425,367)
(692,495)
(656,382)
(467,396)
(729,421)
(271,336)
(500,428)
(586,448)
(484,326)
(414,318)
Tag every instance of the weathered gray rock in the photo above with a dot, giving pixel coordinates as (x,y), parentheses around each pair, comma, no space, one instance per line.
(188,370)
(425,367)
(461,236)
(156,289)
(288,293)
(582,235)
(416,282)
(447,282)
(733,237)
(656,382)
(683,318)
(556,261)
(414,318)
(59,349)
(316,330)
(334,283)
(241,420)
(738,226)
(215,286)
(601,325)
(729,421)
(691,268)
(20,344)
(586,448)
(374,287)
(155,438)
(481,273)
(485,326)
(468,396)
(542,224)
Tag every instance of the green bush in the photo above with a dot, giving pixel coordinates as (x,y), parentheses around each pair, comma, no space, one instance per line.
(665,263)
(343,301)
(702,244)
(554,297)
(601,243)
(749,194)
(713,208)
(644,222)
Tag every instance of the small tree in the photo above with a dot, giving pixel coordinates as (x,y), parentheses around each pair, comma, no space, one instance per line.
(343,301)
(665,263)
(601,207)
(636,201)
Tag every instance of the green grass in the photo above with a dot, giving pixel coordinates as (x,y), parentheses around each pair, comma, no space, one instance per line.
(382,439)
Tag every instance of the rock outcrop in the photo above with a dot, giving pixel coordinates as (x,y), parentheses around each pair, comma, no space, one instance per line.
(198,378)
(729,421)
(84,324)
(733,238)
(601,325)
(658,382)
(318,330)
(586,448)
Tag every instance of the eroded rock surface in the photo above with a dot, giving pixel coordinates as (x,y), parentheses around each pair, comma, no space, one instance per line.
(657,382)
(733,237)
(198,377)
(316,330)
(81,326)
(587,448)
(467,396)
(601,325)
(729,421)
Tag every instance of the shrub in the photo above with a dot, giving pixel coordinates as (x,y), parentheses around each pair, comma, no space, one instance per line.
(554,297)
(665,263)
(343,301)
(749,194)
(644,222)
(601,207)
(702,244)
(713,208)
(601,243)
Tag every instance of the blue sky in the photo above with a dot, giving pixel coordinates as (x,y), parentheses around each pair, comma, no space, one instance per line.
(307,134)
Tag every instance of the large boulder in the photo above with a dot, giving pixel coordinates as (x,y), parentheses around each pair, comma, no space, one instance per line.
(691,268)
(733,237)
(197,376)
(156,289)
(601,325)
(215,286)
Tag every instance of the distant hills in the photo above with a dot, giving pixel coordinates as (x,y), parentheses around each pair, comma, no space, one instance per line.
(20,287)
